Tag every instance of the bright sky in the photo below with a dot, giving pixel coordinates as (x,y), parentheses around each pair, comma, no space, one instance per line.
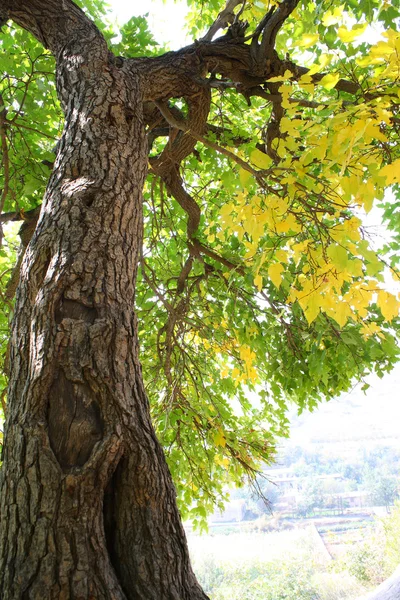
(166,19)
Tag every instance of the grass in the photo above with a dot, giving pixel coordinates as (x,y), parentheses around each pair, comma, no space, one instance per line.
(287,565)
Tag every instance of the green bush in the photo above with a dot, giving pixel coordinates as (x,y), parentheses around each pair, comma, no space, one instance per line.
(367,562)
(338,586)
(391,528)
(257,581)
(210,574)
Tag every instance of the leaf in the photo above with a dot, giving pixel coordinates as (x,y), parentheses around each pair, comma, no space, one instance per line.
(342,313)
(338,255)
(311,307)
(219,438)
(391,172)
(388,304)
(332,17)
(281,255)
(244,177)
(260,159)
(275,273)
(347,35)
(287,75)
(382,50)
(258,282)
(307,40)
(329,81)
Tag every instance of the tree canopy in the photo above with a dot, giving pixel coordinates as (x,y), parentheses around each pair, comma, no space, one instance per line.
(260,285)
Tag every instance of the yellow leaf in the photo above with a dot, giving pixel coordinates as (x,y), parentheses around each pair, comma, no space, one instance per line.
(307,40)
(381,50)
(226,214)
(341,313)
(287,75)
(365,61)
(289,126)
(244,177)
(330,80)
(260,159)
(282,256)
(299,249)
(391,172)
(306,78)
(370,329)
(311,305)
(288,223)
(355,267)
(338,256)
(224,462)
(219,438)
(258,282)
(224,372)
(369,195)
(332,17)
(372,132)
(349,35)
(388,304)
(275,273)
(247,355)
(308,87)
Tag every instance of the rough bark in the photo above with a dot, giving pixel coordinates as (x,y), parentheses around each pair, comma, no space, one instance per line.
(88,507)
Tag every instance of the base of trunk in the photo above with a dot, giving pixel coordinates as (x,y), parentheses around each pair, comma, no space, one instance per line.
(67,536)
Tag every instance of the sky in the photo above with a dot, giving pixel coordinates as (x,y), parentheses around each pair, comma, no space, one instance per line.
(166,19)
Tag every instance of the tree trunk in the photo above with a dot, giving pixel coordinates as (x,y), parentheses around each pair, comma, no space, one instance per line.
(388,590)
(88,508)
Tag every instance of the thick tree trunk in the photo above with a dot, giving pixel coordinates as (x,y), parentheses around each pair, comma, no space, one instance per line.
(88,507)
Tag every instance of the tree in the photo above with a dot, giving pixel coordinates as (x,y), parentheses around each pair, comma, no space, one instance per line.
(311,498)
(255,270)
(384,490)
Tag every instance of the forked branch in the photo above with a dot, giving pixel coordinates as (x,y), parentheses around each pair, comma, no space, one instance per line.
(225,17)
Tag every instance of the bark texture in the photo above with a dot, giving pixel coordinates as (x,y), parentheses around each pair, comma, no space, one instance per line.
(88,508)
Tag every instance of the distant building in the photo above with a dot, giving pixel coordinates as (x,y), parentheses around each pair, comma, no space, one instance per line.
(290,484)
(357,499)
(234,511)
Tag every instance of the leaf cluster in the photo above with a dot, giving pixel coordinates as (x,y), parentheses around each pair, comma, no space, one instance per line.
(278,297)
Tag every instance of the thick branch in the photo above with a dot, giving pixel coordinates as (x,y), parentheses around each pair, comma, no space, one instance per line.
(274,23)
(177,74)
(183,126)
(225,18)
(55,24)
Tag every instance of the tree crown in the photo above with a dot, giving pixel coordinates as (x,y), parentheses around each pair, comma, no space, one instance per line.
(259,286)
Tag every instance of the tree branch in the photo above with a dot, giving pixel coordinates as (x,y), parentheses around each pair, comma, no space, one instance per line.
(4,159)
(225,18)
(179,124)
(57,25)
